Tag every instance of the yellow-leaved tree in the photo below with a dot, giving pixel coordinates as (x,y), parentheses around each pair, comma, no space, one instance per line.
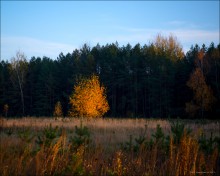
(88,98)
(169,46)
(58,110)
(203,95)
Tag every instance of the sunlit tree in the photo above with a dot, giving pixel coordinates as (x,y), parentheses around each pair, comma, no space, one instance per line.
(169,46)
(58,110)
(88,98)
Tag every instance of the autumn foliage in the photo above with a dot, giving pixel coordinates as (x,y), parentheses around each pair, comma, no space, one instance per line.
(203,96)
(58,110)
(170,46)
(88,98)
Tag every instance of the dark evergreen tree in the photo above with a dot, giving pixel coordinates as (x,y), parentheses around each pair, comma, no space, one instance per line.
(140,81)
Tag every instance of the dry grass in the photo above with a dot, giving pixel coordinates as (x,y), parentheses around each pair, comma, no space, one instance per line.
(104,131)
(110,130)
(104,156)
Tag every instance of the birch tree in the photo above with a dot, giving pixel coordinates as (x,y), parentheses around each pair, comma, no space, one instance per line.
(88,99)
(18,72)
(203,98)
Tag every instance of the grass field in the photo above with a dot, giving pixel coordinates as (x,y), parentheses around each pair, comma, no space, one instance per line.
(45,146)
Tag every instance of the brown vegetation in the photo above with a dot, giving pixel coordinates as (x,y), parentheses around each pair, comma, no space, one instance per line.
(58,112)
(32,146)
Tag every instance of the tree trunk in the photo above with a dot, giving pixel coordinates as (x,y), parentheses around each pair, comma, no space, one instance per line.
(21,90)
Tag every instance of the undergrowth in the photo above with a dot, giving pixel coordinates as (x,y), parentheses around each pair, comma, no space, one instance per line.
(57,151)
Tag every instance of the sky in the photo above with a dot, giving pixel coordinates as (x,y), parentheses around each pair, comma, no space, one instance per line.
(47,28)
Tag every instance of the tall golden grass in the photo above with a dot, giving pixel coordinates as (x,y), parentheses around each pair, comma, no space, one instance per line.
(103,156)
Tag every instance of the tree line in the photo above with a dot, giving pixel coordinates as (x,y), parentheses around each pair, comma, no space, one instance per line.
(153,80)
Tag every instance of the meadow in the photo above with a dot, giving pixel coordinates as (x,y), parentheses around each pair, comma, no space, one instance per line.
(109,146)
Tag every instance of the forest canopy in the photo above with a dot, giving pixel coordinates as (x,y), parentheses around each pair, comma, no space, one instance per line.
(141,81)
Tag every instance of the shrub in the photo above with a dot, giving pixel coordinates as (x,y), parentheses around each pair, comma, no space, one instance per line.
(178,129)
(49,134)
(82,136)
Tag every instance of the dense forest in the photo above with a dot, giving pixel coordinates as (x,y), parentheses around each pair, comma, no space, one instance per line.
(154,80)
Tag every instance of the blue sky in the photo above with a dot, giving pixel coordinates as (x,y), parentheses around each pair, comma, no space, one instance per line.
(40,28)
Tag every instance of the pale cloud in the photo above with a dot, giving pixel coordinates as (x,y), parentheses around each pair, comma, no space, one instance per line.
(32,47)
(190,37)
(176,22)
(181,24)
